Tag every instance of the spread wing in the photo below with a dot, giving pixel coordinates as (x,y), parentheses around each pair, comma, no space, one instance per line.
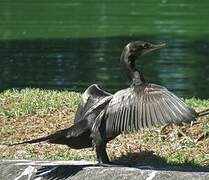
(92,95)
(144,107)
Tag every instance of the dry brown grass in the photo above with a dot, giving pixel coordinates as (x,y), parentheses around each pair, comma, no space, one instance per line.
(175,144)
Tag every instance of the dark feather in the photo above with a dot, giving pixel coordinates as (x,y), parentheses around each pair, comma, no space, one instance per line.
(92,95)
(145,106)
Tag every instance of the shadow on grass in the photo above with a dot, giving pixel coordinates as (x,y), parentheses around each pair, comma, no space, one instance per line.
(142,160)
(148,160)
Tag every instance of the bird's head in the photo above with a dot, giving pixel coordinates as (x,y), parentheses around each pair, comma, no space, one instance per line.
(133,50)
(139,48)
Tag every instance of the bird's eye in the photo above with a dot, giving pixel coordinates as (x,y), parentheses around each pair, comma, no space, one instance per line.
(146,45)
(133,50)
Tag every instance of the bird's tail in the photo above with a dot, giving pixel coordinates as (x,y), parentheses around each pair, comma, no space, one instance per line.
(61,136)
(49,138)
(203,113)
(32,141)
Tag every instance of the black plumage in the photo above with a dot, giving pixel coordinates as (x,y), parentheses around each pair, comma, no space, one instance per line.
(102,116)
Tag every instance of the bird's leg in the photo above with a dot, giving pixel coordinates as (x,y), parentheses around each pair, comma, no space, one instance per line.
(101,153)
(100,147)
(99,142)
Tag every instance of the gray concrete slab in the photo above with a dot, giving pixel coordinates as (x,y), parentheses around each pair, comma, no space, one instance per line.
(77,170)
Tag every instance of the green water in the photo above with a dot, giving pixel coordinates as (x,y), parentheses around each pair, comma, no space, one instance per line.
(73,43)
(23,19)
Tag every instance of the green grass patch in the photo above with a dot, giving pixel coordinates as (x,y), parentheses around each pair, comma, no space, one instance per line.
(14,103)
(29,113)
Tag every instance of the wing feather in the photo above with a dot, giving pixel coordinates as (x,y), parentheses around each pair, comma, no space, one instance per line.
(148,121)
(170,110)
(166,111)
(133,109)
(115,116)
(113,119)
(154,118)
(183,106)
(159,112)
(125,126)
(91,96)
(187,113)
(175,111)
(136,120)
(144,117)
(145,106)
(140,113)
(128,122)
(121,123)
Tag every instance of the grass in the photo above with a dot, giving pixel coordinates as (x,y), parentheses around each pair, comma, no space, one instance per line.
(30,113)
(35,101)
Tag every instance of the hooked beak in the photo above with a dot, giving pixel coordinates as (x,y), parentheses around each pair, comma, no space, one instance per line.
(153,48)
(158,46)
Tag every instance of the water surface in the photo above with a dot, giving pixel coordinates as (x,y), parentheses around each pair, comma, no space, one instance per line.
(72,44)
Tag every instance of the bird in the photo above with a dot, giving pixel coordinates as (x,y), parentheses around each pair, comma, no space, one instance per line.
(102,116)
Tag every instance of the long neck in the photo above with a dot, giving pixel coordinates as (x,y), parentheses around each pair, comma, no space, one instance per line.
(128,64)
